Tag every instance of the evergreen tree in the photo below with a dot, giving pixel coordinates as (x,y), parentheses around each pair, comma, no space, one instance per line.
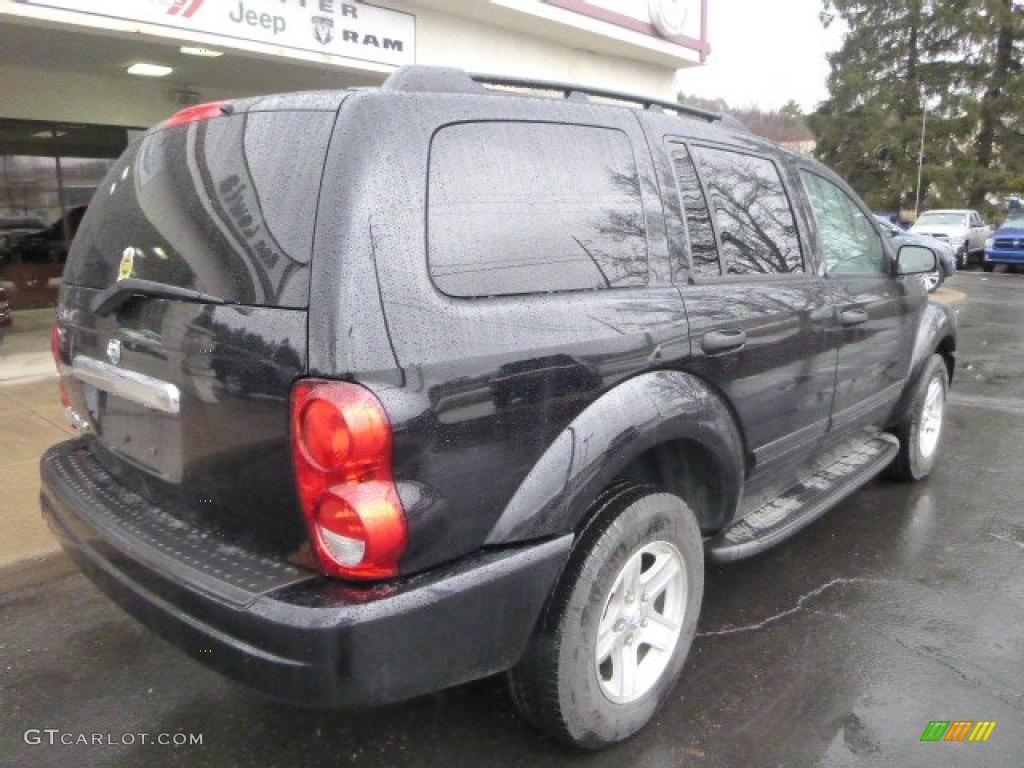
(997,39)
(957,60)
(869,127)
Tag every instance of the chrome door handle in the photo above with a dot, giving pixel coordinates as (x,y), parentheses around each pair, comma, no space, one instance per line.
(723,341)
(850,317)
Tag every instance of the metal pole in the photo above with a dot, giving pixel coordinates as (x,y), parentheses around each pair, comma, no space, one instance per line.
(920,162)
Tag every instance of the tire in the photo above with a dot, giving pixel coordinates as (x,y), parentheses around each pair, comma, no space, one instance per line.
(560,685)
(920,432)
(962,258)
(988,267)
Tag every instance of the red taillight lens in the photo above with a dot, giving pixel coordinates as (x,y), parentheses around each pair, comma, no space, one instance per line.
(56,347)
(325,435)
(199,112)
(55,341)
(341,445)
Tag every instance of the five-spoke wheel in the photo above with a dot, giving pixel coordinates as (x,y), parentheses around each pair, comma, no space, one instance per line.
(617,629)
(640,625)
(920,431)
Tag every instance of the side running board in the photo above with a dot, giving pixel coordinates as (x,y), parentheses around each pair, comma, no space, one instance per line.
(806,501)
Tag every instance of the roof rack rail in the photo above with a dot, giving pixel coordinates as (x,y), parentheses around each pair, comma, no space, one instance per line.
(418,77)
(571,90)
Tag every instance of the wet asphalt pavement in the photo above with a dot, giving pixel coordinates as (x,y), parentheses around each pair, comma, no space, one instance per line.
(901,606)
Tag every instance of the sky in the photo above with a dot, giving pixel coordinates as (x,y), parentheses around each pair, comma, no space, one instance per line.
(764,53)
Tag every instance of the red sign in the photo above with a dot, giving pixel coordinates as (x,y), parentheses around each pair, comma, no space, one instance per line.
(185,7)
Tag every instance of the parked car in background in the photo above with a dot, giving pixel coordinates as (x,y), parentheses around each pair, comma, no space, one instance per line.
(963,229)
(45,245)
(1006,246)
(19,225)
(5,308)
(946,257)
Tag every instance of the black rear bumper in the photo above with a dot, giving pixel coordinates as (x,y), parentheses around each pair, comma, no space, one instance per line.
(287,632)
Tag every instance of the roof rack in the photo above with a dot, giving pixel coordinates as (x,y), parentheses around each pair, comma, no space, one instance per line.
(571,91)
(452,80)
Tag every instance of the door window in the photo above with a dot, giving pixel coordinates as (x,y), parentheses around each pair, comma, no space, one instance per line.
(849,239)
(752,214)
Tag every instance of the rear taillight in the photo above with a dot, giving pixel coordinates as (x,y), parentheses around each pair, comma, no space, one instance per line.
(199,112)
(341,446)
(57,348)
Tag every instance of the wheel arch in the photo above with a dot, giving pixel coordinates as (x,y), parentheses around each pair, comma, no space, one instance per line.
(936,334)
(947,347)
(687,469)
(665,429)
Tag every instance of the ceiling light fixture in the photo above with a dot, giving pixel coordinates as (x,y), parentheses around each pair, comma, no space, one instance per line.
(205,52)
(144,69)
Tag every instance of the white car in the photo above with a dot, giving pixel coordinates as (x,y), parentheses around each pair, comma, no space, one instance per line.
(962,229)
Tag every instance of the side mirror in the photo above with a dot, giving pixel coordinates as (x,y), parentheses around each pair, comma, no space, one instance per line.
(916,260)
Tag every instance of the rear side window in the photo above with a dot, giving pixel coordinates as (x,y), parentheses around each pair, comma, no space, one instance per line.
(223,206)
(519,208)
(751,212)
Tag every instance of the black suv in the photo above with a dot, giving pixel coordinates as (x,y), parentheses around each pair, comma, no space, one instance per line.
(385,390)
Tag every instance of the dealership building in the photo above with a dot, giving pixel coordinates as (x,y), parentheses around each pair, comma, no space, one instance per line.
(79,77)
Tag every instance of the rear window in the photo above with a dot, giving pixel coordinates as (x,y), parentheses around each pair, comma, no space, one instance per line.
(223,206)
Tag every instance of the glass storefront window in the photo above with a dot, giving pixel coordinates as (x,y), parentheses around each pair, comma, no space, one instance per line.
(48,174)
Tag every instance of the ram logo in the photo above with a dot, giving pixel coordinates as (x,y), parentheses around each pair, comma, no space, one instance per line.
(114,351)
(323,29)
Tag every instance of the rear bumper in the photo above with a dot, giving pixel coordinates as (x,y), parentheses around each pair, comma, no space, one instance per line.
(289,633)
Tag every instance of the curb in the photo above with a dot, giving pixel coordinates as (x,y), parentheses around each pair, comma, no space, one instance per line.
(949,297)
(35,570)
(27,368)
(25,355)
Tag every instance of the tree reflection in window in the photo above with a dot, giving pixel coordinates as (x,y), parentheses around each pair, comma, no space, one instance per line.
(534,208)
(703,251)
(752,213)
(849,240)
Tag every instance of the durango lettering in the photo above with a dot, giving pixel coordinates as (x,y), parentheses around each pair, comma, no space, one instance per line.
(233,192)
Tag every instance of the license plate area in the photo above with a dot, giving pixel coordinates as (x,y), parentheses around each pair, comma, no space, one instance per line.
(135,416)
(142,436)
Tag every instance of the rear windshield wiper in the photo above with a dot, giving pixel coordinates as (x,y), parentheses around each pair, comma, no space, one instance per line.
(124,290)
